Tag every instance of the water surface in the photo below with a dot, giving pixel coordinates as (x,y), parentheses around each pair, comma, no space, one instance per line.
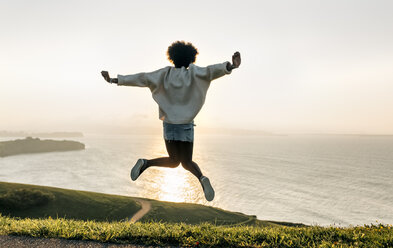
(343,180)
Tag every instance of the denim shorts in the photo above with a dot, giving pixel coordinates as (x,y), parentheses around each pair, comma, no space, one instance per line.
(181,132)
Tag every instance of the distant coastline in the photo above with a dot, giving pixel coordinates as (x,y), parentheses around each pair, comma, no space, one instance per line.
(157,130)
(41,134)
(35,145)
(346,134)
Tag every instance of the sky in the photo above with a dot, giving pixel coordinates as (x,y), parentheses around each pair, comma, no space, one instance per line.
(307,66)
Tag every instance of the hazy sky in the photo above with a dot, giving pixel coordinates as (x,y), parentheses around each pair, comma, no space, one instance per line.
(307,66)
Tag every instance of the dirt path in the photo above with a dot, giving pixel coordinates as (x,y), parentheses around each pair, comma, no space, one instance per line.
(146,206)
(30,242)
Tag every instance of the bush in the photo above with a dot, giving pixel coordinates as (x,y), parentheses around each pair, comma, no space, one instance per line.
(25,198)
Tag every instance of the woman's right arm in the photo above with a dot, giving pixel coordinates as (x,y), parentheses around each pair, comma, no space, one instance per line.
(143,79)
(107,78)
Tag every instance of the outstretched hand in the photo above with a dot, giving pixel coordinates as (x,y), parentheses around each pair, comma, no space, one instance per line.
(105,74)
(236,60)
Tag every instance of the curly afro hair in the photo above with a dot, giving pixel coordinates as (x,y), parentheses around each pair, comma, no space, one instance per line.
(181,54)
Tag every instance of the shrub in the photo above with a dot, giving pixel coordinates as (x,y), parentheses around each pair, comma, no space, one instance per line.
(25,198)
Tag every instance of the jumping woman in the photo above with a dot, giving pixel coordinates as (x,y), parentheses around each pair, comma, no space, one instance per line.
(180,93)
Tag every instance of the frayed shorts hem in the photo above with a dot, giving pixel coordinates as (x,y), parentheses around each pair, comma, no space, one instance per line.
(180,132)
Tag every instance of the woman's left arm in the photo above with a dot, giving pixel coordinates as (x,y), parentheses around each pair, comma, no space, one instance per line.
(236,61)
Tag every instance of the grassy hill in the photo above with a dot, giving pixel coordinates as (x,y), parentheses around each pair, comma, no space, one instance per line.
(30,210)
(32,201)
(70,204)
(201,235)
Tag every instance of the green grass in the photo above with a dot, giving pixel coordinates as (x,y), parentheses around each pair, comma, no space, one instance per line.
(72,204)
(206,235)
(194,214)
(24,199)
(70,214)
(83,205)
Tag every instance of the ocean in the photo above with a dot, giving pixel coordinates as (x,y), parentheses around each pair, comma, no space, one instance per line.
(312,179)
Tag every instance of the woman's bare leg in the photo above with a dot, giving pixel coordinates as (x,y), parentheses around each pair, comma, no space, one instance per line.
(186,150)
(179,152)
(172,161)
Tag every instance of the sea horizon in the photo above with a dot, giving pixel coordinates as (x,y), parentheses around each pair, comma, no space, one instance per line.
(324,180)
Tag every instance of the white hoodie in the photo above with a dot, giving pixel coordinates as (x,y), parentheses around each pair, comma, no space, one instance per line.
(179,92)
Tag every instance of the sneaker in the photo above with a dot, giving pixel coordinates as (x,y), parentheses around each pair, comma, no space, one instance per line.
(207,188)
(136,170)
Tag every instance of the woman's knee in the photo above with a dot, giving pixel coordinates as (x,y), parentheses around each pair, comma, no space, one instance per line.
(187,165)
(174,163)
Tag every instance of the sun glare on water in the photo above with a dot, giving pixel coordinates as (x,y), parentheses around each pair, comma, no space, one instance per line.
(175,185)
(170,184)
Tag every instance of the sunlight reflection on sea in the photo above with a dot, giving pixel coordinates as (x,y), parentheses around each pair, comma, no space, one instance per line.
(310,179)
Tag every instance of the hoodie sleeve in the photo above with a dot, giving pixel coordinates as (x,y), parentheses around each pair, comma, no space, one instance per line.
(212,72)
(143,79)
